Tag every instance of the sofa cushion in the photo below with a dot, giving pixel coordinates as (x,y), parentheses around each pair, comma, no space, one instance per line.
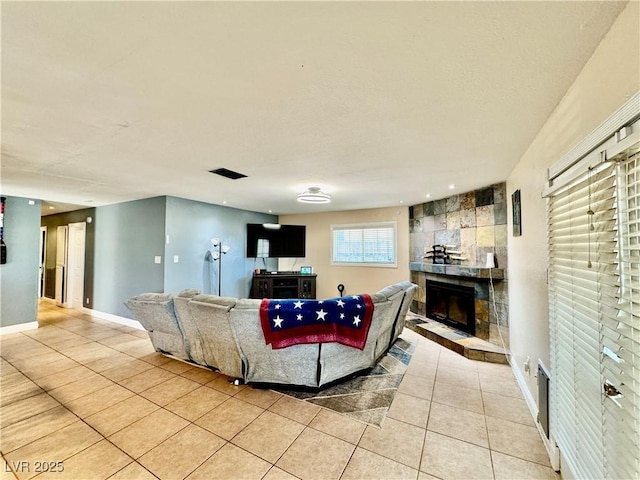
(153,297)
(215,300)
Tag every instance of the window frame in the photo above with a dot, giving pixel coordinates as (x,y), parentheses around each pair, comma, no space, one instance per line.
(392,224)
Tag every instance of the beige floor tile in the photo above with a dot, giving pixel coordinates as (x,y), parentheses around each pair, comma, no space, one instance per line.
(6,368)
(460,424)
(449,358)
(231,462)
(508,408)
(113,360)
(99,400)
(147,379)
(223,384)
(464,377)
(57,364)
(294,409)
(138,349)
(276,473)
(177,367)
(74,390)
(118,338)
(338,426)
(35,427)
(181,454)
(396,440)
(98,461)
(169,390)
(316,455)
(420,387)
(258,396)
(196,403)
(229,418)
(200,375)
(367,465)
(17,411)
(120,415)
(410,409)
(57,446)
(457,396)
(446,457)
(133,471)
(506,467)
(148,432)
(155,358)
(268,436)
(16,387)
(90,352)
(500,384)
(517,440)
(62,378)
(423,368)
(127,370)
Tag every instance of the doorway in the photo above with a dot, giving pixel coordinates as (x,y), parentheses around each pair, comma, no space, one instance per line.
(75,267)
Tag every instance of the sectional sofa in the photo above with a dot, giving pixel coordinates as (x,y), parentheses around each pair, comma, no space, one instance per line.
(225,334)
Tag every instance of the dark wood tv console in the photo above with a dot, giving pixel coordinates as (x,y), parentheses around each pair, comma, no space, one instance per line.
(283,285)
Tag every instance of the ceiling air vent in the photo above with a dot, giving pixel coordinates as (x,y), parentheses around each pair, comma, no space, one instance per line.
(224,172)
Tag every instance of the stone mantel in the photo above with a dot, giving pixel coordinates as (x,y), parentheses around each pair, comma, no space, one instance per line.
(459,270)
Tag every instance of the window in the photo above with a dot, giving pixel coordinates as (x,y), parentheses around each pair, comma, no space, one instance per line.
(594,307)
(372,244)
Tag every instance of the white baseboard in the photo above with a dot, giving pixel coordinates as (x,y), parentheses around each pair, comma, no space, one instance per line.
(114,318)
(550,445)
(20,327)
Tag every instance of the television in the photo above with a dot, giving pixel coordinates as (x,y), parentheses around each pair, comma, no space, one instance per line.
(272,240)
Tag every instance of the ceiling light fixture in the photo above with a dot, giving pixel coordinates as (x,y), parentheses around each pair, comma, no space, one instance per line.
(314,195)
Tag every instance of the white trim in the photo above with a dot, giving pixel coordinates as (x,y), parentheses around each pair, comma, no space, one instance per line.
(20,327)
(621,117)
(113,318)
(550,445)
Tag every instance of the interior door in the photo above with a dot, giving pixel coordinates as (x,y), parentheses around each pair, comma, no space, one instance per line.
(43,261)
(75,266)
(61,265)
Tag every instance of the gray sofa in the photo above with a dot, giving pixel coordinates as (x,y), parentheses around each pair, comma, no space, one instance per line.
(225,334)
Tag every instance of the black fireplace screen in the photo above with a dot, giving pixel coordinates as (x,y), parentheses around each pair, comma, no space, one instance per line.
(453,305)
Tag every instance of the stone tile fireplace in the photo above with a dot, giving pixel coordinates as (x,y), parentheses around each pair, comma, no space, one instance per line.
(476,224)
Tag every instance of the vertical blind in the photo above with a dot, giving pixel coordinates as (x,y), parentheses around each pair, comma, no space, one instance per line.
(594,290)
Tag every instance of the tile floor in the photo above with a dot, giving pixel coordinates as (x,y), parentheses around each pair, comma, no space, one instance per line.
(92,398)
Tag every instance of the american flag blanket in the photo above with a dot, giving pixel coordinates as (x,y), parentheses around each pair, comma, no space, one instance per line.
(344,320)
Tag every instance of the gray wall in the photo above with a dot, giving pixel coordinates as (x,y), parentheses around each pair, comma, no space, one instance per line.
(52,222)
(190,225)
(127,238)
(19,276)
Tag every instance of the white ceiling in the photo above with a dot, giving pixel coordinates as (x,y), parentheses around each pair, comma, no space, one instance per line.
(377,103)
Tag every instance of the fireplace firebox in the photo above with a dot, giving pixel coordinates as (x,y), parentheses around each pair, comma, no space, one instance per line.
(452,305)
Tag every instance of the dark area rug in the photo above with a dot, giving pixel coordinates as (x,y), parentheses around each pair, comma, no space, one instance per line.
(367,397)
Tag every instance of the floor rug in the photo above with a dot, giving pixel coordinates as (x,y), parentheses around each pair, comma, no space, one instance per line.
(367,397)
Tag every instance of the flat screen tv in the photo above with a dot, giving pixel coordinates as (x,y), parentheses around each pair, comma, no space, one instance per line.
(272,240)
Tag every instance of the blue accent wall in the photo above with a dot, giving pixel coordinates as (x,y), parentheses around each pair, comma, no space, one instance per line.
(19,276)
(190,226)
(128,236)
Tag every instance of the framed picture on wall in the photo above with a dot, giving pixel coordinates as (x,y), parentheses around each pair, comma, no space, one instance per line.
(517,213)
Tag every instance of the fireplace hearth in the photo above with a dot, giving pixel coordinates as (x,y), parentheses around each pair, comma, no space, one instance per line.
(453,305)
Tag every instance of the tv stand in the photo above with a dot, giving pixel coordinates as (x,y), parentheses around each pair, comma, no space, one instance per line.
(283,285)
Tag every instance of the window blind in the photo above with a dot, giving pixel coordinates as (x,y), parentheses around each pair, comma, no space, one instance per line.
(373,244)
(594,303)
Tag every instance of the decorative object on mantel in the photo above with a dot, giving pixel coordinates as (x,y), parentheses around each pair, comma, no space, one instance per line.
(216,253)
(443,254)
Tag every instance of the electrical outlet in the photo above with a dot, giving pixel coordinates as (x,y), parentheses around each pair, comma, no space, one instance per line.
(158,259)
(527,365)
(176,259)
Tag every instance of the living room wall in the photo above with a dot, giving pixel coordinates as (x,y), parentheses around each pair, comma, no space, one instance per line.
(355,279)
(189,228)
(19,276)
(608,79)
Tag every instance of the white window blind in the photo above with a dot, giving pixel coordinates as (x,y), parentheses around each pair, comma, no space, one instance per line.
(364,244)
(594,290)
